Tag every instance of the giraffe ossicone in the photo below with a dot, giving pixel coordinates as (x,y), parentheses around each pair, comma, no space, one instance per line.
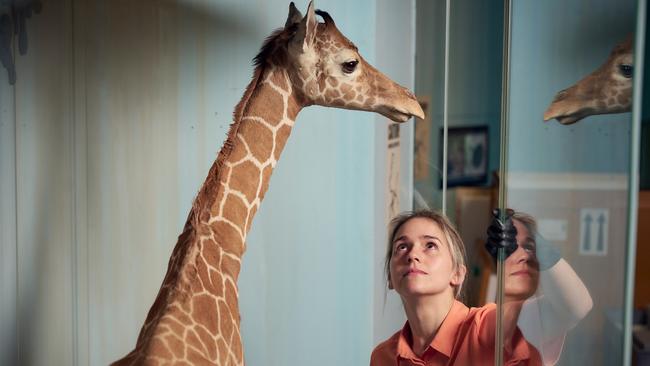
(606,90)
(195,317)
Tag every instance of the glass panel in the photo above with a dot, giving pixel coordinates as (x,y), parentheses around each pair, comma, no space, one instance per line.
(567,180)
(463,95)
(429,87)
(475,32)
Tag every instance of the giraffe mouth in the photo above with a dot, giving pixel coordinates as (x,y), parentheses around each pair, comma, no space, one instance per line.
(565,120)
(399,115)
(564,115)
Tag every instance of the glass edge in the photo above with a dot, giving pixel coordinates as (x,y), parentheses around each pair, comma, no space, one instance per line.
(633,183)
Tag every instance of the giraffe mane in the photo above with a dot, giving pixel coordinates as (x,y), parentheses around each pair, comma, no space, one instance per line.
(273,51)
(269,53)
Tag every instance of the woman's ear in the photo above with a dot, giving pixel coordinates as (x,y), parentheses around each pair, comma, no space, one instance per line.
(458,277)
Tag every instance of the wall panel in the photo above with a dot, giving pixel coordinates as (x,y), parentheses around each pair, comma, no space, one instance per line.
(44,198)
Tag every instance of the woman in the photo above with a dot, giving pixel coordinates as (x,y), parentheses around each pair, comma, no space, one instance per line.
(425,265)
(543,320)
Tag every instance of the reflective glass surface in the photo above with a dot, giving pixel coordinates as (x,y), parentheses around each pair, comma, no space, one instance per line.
(567,176)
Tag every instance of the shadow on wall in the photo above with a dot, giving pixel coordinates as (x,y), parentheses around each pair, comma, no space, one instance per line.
(214,19)
(13,19)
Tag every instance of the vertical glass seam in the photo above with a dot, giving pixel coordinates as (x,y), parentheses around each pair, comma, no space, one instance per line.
(75,192)
(445,107)
(503,165)
(633,193)
(17,279)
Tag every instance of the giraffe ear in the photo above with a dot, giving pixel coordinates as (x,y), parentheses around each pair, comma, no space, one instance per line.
(294,16)
(306,32)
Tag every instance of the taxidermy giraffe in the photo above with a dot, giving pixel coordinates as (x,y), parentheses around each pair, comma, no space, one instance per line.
(606,90)
(195,317)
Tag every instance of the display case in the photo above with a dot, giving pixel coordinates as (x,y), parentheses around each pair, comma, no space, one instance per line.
(555,83)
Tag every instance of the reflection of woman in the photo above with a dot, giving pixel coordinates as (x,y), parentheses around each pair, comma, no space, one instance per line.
(543,320)
(425,264)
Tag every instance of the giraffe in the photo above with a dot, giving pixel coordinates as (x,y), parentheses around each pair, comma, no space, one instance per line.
(606,90)
(195,319)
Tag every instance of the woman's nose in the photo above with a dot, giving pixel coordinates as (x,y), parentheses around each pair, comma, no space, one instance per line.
(412,257)
(522,255)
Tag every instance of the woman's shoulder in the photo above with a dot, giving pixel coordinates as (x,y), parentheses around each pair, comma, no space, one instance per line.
(481,312)
(385,350)
(388,344)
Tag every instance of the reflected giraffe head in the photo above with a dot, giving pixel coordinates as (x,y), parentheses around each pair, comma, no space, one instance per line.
(606,90)
(326,69)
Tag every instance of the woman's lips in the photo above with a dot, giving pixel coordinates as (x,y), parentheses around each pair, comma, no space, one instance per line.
(414,271)
(523,272)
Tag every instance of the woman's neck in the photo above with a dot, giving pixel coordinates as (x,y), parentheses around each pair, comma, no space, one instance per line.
(425,314)
(511,310)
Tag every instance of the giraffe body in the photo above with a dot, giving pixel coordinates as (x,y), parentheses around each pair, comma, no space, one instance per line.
(195,317)
(606,90)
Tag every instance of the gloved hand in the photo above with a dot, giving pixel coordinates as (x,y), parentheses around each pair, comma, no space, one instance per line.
(501,234)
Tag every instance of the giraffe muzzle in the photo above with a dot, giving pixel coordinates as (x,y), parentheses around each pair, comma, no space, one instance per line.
(403,111)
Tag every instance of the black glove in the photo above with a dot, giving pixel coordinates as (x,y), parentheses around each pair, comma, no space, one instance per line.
(501,234)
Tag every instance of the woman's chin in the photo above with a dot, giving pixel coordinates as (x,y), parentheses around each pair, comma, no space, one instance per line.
(415,290)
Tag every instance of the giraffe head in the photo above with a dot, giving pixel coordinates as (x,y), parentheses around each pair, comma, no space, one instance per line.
(606,90)
(326,69)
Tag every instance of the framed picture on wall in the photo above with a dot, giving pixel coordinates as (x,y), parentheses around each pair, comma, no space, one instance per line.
(467,156)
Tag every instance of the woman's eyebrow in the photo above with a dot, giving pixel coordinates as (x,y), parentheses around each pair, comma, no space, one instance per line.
(431,237)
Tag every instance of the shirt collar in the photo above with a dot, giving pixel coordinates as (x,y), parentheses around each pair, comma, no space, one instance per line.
(522,347)
(445,338)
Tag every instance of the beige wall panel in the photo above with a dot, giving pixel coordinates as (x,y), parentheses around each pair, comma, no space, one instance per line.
(8,245)
(154,81)
(563,199)
(45,196)
(131,66)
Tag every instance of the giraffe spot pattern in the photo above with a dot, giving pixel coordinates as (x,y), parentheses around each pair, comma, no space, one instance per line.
(245,180)
(210,306)
(259,140)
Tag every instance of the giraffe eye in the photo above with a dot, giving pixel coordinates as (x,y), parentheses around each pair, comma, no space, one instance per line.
(349,66)
(626,70)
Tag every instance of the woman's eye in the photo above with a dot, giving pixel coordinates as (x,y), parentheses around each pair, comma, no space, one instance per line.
(626,70)
(400,247)
(431,245)
(349,66)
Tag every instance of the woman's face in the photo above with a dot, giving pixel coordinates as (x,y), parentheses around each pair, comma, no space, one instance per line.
(421,261)
(521,267)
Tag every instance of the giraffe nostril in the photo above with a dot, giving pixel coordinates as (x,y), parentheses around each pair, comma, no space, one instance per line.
(560,95)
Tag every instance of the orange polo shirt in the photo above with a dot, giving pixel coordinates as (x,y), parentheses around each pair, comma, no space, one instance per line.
(465,337)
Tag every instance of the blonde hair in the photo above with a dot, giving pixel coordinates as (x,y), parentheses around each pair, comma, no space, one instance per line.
(456,245)
(527,220)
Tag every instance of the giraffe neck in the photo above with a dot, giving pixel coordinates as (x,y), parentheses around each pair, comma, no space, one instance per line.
(237,184)
(196,314)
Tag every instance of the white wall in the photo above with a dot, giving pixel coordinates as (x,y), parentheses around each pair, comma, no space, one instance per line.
(120,108)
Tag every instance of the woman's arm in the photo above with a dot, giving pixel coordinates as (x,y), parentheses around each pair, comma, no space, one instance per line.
(565,299)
